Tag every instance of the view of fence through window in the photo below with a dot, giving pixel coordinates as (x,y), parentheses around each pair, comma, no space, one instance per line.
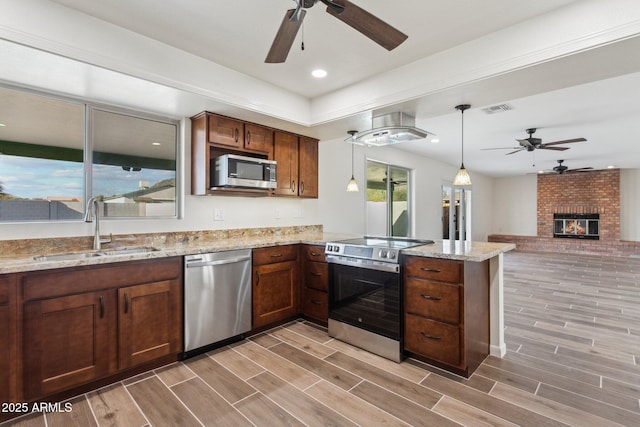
(42,160)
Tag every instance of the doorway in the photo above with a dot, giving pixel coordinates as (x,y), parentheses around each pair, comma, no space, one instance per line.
(388,205)
(456,213)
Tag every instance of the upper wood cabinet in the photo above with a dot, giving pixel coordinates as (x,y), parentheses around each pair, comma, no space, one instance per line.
(258,139)
(242,136)
(213,135)
(308,167)
(225,131)
(285,152)
(297,158)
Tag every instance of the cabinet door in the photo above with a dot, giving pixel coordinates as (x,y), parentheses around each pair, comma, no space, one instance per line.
(308,167)
(275,292)
(225,131)
(149,322)
(67,341)
(258,139)
(285,152)
(8,338)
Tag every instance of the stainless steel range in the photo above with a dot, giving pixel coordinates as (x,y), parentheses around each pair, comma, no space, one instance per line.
(365,292)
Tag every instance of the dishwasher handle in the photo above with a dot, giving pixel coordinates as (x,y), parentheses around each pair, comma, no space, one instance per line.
(198,262)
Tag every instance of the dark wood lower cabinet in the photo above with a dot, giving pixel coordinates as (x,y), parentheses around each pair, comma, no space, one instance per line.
(315,284)
(8,356)
(72,339)
(446,319)
(276,293)
(67,341)
(149,324)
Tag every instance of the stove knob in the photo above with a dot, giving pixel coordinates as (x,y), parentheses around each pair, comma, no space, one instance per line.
(392,255)
(383,253)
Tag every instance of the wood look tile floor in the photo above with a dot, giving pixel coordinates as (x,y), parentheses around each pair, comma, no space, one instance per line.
(573,344)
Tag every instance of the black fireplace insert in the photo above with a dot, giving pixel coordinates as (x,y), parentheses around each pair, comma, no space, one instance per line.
(576,226)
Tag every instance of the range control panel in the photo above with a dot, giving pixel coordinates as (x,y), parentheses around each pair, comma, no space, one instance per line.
(364,252)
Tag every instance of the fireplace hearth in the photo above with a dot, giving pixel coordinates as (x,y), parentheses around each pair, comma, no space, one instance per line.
(576,226)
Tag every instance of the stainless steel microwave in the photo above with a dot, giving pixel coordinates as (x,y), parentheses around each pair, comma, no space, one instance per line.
(231,170)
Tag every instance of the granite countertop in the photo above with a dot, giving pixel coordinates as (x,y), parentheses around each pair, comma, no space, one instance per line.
(465,251)
(23,260)
(20,256)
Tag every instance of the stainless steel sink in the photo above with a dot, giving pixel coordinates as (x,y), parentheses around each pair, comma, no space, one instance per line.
(65,257)
(85,255)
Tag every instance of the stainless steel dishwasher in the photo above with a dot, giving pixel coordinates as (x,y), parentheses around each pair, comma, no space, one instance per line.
(217,298)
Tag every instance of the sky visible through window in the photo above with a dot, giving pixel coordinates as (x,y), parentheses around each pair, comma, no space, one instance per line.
(33,178)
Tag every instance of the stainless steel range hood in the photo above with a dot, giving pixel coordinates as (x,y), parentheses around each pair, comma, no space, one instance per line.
(390,128)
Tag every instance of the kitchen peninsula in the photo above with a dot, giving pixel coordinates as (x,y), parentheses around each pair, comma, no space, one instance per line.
(168,248)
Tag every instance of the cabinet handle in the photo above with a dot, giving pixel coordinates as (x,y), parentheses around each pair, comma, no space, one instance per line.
(293,186)
(126,303)
(276,255)
(101,299)
(431,337)
(315,254)
(301,187)
(248,137)
(237,135)
(430,270)
(430,297)
(313,273)
(316,302)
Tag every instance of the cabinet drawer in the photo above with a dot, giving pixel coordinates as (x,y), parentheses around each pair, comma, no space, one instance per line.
(274,254)
(434,269)
(314,253)
(438,301)
(315,304)
(432,339)
(316,275)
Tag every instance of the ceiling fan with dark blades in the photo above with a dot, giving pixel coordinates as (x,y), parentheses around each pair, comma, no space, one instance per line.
(561,169)
(354,16)
(531,144)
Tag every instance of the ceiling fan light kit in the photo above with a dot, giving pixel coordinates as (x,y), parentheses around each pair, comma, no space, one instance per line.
(462,178)
(357,18)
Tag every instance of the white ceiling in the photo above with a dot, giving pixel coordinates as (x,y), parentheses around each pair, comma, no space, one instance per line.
(589,93)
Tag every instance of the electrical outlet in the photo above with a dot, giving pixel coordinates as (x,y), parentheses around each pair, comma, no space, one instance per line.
(278,214)
(218,215)
(298,213)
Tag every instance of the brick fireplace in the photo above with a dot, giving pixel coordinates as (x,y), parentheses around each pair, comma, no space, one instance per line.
(594,194)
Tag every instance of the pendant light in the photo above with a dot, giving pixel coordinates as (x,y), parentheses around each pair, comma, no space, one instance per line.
(462,178)
(352,186)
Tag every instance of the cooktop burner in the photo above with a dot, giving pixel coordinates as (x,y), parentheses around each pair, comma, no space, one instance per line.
(386,242)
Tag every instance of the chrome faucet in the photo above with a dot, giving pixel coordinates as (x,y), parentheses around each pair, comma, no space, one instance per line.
(92,213)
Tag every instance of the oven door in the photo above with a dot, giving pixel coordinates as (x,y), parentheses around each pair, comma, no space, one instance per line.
(365,298)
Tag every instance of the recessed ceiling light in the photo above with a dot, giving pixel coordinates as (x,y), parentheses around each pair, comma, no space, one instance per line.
(155,143)
(611,167)
(435,140)
(319,73)
(2,125)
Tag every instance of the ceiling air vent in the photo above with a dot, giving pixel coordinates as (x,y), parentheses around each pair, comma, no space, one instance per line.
(498,109)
